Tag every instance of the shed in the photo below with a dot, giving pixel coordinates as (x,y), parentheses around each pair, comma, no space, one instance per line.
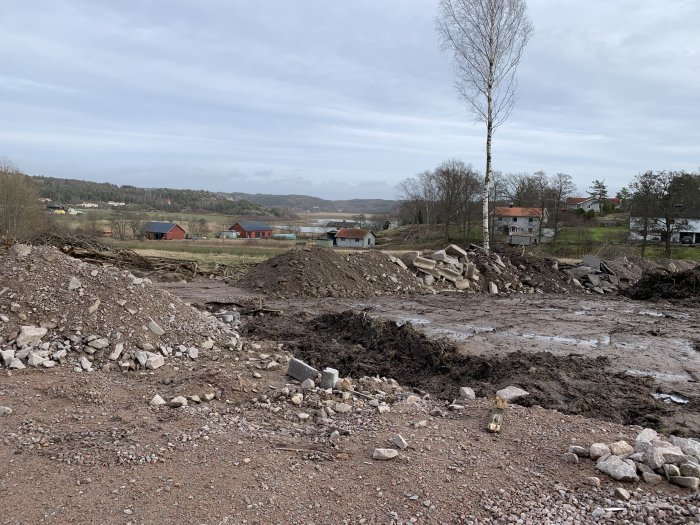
(167,231)
(355,238)
(252,229)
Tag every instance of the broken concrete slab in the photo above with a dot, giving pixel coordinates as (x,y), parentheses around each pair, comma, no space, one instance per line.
(300,370)
(450,275)
(462,284)
(592,262)
(456,251)
(422,262)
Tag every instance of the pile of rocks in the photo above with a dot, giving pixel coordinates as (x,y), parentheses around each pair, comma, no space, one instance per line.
(594,275)
(651,458)
(474,270)
(55,309)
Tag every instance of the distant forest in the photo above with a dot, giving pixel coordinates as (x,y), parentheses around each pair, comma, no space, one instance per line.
(71,191)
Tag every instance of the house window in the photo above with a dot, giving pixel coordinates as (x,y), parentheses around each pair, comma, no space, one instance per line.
(515,219)
(530,219)
(529,230)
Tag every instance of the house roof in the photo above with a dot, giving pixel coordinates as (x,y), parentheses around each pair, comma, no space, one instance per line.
(682,213)
(518,212)
(253,226)
(158,227)
(353,233)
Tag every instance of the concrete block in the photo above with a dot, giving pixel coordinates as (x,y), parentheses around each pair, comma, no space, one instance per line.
(422,262)
(450,275)
(456,251)
(462,284)
(329,377)
(300,370)
(592,261)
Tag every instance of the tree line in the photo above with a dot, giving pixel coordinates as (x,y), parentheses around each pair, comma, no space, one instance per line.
(451,196)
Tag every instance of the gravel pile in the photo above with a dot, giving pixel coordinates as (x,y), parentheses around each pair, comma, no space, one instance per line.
(56,309)
(321,272)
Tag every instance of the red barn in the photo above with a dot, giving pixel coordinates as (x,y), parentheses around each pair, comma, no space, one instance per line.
(167,231)
(252,230)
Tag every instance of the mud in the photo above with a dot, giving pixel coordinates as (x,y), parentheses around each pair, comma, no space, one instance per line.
(359,345)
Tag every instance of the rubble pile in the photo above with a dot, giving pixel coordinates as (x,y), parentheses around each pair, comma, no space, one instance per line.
(55,309)
(683,285)
(651,459)
(475,270)
(320,272)
(603,276)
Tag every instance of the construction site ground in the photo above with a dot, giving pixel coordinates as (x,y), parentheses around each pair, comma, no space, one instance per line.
(89,448)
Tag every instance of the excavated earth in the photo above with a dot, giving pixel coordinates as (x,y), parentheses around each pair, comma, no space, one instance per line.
(83,447)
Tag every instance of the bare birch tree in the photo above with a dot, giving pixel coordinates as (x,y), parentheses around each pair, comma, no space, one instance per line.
(486,39)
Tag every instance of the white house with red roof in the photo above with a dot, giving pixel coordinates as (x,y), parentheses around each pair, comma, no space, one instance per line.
(589,203)
(520,220)
(355,238)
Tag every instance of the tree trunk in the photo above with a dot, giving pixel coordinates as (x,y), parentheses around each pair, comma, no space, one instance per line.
(487,180)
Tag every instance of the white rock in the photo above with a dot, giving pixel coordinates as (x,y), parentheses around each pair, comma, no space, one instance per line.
(7,356)
(466,393)
(48,363)
(16,364)
(35,359)
(598,450)
(192,352)
(384,453)
(308,384)
(511,393)
(342,408)
(5,411)
(155,361)
(621,448)
(157,401)
(618,469)
(114,354)
(153,327)
(74,284)
(207,345)
(400,442)
(30,335)
(85,363)
(100,343)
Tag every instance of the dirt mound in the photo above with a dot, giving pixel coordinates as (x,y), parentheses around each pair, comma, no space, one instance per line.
(54,309)
(683,285)
(320,272)
(358,345)
(632,269)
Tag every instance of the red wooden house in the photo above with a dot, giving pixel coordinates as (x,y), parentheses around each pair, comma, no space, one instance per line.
(166,231)
(252,230)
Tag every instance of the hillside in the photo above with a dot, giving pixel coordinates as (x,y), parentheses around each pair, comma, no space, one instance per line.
(72,191)
(308,203)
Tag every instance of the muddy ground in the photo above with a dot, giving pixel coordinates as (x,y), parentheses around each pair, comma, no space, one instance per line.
(601,357)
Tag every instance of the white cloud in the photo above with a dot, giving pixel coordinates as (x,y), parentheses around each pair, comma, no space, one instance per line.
(314,96)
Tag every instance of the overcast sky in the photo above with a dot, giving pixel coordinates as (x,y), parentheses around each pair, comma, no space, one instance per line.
(336,99)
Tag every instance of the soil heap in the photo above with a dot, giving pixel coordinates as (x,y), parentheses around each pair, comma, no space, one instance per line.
(54,309)
(683,285)
(320,272)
